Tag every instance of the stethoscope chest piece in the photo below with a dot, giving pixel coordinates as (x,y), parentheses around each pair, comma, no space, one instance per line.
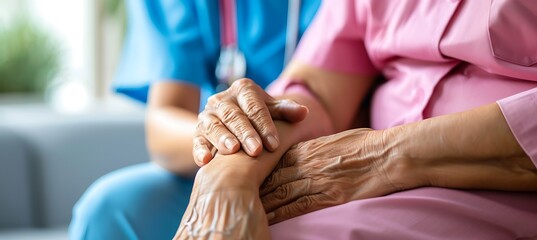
(230,67)
(231,64)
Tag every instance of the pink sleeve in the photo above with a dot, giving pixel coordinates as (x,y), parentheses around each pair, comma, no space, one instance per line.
(334,40)
(287,86)
(520,111)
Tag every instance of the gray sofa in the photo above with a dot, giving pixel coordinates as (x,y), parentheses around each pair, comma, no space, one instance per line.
(47,160)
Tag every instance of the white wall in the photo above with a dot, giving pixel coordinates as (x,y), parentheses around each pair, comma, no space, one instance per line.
(90,45)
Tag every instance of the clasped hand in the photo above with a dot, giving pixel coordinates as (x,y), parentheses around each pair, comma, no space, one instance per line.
(243,116)
(312,175)
(326,172)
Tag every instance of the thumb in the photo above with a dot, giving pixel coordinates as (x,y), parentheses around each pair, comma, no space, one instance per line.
(288,110)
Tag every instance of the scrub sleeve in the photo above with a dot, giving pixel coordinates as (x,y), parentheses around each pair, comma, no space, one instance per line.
(164,45)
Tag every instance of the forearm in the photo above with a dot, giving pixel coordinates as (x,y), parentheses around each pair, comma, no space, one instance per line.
(470,150)
(169,132)
(171,119)
(340,94)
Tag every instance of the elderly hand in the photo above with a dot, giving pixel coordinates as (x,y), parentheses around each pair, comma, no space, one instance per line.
(242,116)
(330,171)
(224,203)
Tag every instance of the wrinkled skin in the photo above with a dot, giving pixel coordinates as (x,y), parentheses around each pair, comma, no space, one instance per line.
(328,171)
(242,117)
(224,203)
(224,214)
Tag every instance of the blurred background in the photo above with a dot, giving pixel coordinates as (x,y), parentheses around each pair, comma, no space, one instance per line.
(61,125)
(60,50)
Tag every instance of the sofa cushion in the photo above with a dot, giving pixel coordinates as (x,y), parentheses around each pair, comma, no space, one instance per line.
(15,205)
(66,153)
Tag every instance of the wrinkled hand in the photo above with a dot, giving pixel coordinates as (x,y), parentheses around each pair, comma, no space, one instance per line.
(224,204)
(325,172)
(242,116)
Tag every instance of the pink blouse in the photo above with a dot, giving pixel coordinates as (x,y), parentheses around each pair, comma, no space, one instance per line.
(438,57)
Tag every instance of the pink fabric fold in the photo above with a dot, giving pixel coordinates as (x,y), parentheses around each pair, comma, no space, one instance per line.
(520,111)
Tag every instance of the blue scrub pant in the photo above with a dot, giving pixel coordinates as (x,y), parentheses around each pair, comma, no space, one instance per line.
(138,202)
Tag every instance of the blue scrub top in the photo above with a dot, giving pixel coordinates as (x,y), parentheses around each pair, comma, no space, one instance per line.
(179,40)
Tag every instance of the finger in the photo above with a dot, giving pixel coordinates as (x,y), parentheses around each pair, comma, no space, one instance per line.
(253,102)
(217,133)
(288,110)
(287,193)
(301,206)
(283,109)
(203,151)
(237,122)
(279,177)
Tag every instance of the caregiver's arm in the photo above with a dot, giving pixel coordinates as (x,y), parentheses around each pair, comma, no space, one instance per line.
(170,125)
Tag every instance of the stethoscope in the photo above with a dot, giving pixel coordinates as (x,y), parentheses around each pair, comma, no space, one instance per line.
(232,63)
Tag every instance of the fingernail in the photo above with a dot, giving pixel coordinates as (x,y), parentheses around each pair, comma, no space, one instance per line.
(291,103)
(304,106)
(271,216)
(201,155)
(230,143)
(273,142)
(252,144)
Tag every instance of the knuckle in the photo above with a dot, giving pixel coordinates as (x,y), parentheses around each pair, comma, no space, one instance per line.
(254,109)
(221,105)
(282,192)
(288,212)
(201,122)
(202,115)
(204,121)
(213,126)
(336,196)
(231,115)
(238,127)
(305,203)
(263,127)
(199,127)
(243,86)
(243,82)
(270,181)
(198,141)
(213,100)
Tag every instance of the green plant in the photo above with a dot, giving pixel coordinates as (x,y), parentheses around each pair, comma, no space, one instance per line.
(29,57)
(115,10)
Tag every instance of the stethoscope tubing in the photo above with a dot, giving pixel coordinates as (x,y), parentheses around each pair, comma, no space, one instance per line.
(230,54)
